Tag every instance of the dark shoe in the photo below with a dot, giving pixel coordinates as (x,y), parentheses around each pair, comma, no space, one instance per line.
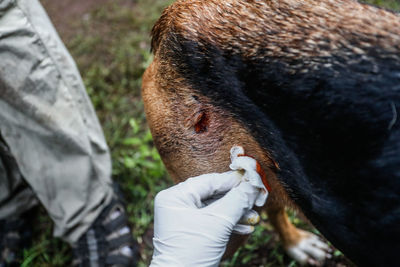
(15,236)
(108,242)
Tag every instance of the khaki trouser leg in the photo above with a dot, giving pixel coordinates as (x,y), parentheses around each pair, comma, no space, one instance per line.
(48,125)
(15,196)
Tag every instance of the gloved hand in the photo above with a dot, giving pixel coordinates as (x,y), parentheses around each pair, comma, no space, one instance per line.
(188,233)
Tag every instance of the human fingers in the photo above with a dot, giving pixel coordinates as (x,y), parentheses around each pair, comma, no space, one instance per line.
(235,203)
(194,190)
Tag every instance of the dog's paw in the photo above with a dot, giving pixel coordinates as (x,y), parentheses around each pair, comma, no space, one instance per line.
(309,250)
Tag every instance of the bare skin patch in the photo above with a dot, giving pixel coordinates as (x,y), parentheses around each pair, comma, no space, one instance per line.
(198,121)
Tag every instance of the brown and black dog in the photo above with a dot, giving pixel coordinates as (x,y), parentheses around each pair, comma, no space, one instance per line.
(310,88)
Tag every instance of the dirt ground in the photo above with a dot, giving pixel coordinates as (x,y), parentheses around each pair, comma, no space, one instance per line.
(68,16)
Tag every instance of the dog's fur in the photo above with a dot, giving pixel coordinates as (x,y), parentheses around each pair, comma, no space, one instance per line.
(312,88)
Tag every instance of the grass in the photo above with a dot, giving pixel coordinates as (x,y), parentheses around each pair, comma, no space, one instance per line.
(388,4)
(111,47)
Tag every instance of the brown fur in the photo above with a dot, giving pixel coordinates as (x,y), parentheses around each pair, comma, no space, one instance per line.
(187,153)
(308,28)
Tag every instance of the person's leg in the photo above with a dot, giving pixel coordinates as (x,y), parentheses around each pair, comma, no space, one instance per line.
(48,121)
(50,129)
(15,196)
(16,200)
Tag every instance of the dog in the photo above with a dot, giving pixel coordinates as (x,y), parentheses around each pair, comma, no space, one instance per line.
(311,89)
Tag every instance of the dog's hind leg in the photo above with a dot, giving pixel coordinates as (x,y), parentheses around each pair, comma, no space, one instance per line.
(302,246)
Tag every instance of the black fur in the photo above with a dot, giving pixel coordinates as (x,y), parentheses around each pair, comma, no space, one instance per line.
(333,130)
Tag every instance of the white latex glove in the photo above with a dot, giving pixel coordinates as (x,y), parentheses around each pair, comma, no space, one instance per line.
(188,233)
